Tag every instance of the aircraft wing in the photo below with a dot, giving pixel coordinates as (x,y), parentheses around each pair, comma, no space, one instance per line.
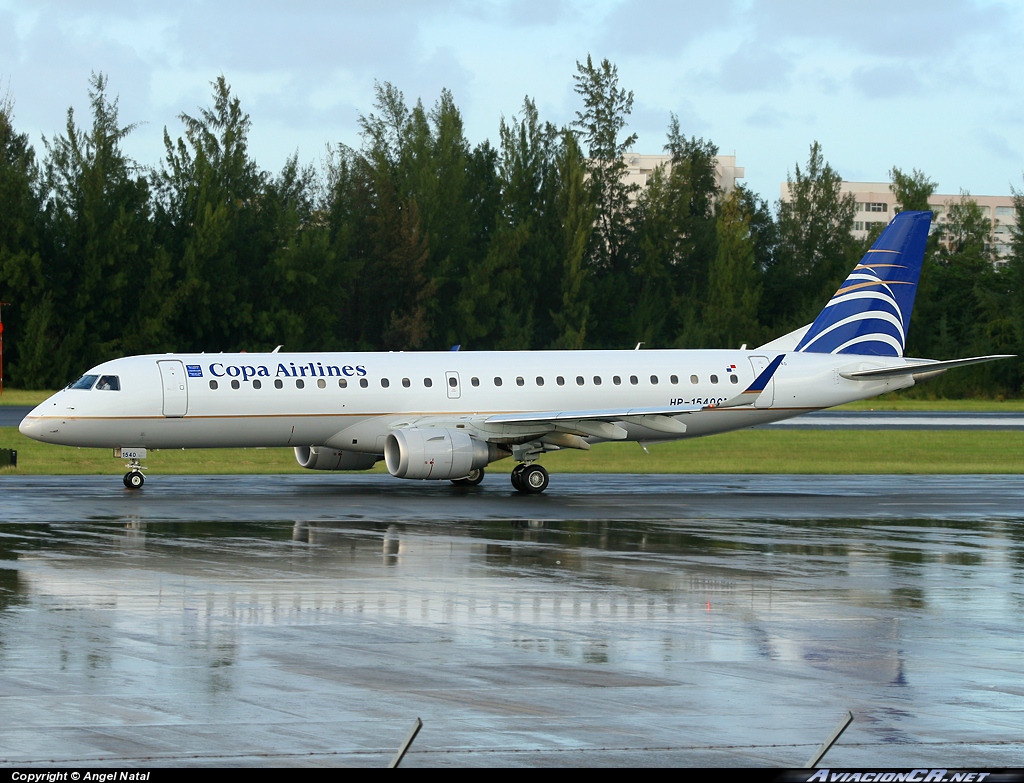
(603,422)
(919,367)
(608,414)
(598,422)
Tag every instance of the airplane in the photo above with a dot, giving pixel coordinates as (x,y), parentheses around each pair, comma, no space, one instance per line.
(447,415)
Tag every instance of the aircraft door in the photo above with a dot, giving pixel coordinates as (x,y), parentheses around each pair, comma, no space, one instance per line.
(766,397)
(172,372)
(451,380)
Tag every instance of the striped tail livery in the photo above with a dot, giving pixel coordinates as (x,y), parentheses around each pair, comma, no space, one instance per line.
(870,313)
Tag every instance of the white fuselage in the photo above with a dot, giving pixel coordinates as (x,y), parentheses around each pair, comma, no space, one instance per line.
(352,401)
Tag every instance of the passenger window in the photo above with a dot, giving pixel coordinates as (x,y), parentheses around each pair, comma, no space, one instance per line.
(673,379)
(616,380)
(579,380)
(714,379)
(497,381)
(342,383)
(453,381)
(320,382)
(520,381)
(257,385)
(540,381)
(363,383)
(234,384)
(213,384)
(597,380)
(427,382)
(300,384)
(560,380)
(654,380)
(693,379)
(475,381)
(278,384)
(733,379)
(109,383)
(384,383)
(634,380)
(405,382)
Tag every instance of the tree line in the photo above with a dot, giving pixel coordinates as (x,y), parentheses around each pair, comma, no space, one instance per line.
(420,240)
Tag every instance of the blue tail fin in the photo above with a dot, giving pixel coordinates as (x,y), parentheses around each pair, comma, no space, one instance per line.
(870,313)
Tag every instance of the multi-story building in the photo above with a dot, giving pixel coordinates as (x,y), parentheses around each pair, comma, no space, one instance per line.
(639,169)
(876,203)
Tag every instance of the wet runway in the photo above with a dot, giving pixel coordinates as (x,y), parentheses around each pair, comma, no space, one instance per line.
(615,620)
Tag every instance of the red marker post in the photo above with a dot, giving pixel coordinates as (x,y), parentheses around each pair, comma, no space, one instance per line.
(2,345)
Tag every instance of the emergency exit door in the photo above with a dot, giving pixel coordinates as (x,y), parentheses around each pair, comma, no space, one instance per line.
(452,382)
(766,397)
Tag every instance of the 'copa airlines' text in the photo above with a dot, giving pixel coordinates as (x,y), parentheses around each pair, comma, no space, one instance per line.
(290,370)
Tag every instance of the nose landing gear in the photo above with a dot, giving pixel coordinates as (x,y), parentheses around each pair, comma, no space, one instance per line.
(133,479)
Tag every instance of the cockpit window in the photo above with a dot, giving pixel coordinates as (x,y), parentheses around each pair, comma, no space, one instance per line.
(109,383)
(85,382)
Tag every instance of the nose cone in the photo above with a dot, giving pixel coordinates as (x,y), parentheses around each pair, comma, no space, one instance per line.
(31,427)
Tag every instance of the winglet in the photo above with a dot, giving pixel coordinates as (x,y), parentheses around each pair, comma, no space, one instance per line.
(753,391)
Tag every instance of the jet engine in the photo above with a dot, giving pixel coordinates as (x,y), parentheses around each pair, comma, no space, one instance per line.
(326,458)
(437,454)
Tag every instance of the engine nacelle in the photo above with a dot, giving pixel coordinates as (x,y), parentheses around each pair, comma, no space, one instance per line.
(436,454)
(326,458)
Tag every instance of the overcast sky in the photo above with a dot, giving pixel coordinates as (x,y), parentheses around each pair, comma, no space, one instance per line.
(934,85)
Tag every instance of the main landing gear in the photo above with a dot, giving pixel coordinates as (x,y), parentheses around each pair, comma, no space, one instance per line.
(530,479)
(474,478)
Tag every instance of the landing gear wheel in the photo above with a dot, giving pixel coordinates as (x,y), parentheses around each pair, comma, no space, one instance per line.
(474,478)
(517,473)
(533,480)
(134,479)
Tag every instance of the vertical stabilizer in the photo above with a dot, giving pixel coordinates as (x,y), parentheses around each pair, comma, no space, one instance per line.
(870,313)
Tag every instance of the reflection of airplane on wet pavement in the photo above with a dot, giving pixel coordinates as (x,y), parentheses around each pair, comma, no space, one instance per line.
(447,415)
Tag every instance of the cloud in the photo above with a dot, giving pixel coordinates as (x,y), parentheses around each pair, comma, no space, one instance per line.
(999,147)
(64,79)
(656,27)
(524,13)
(911,29)
(754,68)
(887,81)
(768,116)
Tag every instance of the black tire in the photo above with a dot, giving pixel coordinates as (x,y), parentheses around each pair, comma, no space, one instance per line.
(533,480)
(134,479)
(474,478)
(517,473)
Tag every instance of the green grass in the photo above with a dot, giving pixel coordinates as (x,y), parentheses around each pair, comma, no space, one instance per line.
(746,451)
(890,402)
(23,396)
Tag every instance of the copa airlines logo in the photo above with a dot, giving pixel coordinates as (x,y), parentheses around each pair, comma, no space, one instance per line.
(870,313)
(289,370)
(864,316)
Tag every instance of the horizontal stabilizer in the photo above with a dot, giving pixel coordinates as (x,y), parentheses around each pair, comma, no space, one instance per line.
(919,368)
